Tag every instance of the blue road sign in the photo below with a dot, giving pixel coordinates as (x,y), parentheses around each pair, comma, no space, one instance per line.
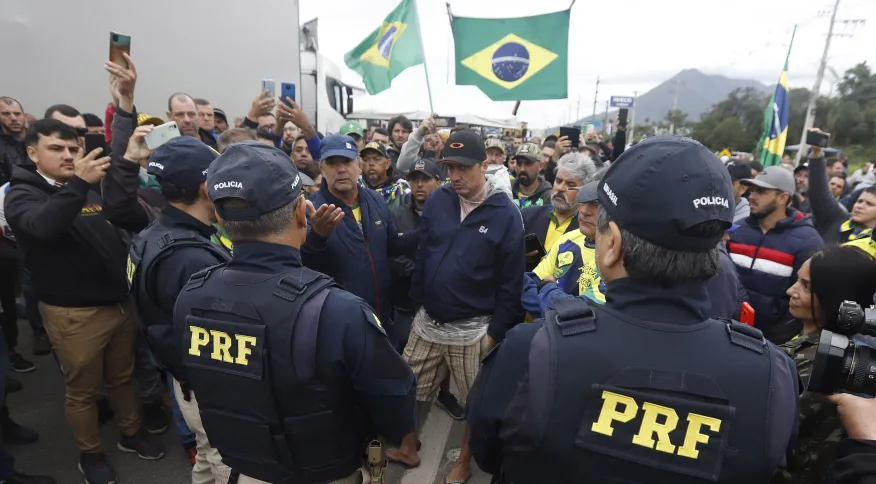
(621,102)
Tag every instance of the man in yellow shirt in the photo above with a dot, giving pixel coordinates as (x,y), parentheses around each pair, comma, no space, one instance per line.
(550,222)
(570,265)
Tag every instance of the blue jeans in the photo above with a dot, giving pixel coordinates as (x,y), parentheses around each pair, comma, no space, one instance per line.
(185,434)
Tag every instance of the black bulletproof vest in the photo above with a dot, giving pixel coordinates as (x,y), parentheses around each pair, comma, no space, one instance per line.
(611,400)
(155,243)
(273,412)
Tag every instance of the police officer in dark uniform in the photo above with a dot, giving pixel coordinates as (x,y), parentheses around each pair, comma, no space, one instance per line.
(162,259)
(644,389)
(293,374)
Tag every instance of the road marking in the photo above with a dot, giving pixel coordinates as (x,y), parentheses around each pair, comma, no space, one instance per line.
(434,435)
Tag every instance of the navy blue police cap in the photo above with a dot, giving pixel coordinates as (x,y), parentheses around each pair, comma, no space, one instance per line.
(259,174)
(338,145)
(665,185)
(182,162)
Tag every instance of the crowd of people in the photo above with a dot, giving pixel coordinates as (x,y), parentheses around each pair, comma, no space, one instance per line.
(291,294)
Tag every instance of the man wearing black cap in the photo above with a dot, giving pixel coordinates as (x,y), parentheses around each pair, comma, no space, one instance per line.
(769,248)
(162,259)
(640,389)
(293,374)
(220,123)
(468,278)
(739,171)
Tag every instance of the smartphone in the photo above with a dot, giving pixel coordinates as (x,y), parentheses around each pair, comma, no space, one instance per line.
(268,85)
(119,44)
(532,243)
(574,134)
(746,315)
(622,117)
(161,134)
(817,138)
(94,141)
(287,89)
(445,121)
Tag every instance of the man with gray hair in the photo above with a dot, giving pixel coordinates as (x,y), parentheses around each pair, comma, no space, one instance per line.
(550,222)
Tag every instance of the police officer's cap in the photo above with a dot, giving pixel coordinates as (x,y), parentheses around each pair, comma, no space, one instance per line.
(665,185)
(257,173)
(181,162)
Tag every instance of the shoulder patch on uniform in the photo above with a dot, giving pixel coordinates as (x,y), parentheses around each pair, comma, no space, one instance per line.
(373,319)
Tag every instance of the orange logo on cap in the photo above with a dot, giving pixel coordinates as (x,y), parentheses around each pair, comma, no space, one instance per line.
(456,145)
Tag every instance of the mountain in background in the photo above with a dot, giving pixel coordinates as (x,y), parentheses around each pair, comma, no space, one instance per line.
(698,92)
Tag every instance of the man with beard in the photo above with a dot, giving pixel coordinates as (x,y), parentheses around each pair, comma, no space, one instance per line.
(550,222)
(530,188)
(768,249)
(400,129)
(220,121)
(377,175)
(12,131)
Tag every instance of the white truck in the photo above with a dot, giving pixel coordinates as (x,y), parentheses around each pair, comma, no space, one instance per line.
(220,50)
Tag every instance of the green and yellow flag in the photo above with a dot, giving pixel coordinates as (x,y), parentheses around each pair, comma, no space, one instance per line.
(514,59)
(775,118)
(390,49)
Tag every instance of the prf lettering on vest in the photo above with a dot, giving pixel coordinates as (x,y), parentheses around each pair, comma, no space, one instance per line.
(222,345)
(656,422)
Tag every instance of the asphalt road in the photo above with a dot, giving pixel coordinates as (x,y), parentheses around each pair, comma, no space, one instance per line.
(40,406)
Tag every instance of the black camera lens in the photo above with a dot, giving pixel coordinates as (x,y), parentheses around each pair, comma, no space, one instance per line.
(115,38)
(843,365)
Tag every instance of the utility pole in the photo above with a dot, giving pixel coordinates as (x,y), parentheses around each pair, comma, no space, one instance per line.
(632,125)
(675,105)
(813,97)
(595,95)
(578,110)
(605,125)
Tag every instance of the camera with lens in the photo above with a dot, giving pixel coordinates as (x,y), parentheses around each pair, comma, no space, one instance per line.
(845,361)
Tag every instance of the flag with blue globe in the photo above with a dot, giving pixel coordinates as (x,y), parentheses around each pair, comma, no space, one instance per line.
(389,50)
(514,59)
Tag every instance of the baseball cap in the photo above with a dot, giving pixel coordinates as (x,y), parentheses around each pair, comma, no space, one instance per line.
(774,178)
(738,171)
(143,119)
(495,143)
(374,146)
(465,147)
(221,113)
(665,185)
(426,167)
(351,127)
(801,167)
(260,174)
(338,145)
(183,162)
(530,151)
(588,193)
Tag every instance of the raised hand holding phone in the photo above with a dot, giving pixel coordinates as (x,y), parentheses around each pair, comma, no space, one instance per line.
(90,168)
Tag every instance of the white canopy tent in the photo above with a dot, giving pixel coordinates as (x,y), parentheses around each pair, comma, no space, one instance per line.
(493,122)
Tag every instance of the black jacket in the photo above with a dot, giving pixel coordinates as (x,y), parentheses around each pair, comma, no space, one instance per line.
(76,257)
(540,197)
(12,153)
(406,220)
(208,139)
(127,204)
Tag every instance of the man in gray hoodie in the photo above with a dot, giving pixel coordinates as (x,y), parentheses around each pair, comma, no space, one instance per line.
(739,171)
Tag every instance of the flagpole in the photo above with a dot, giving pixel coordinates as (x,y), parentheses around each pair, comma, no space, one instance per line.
(423,54)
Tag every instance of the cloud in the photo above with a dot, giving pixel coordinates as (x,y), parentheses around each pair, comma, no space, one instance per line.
(633,45)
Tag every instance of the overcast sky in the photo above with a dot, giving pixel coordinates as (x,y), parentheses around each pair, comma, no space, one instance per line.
(633,45)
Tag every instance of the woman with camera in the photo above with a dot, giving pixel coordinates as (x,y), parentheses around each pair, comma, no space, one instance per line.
(828,278)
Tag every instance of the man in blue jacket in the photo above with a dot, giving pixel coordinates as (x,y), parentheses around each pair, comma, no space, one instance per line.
(352,239)
(468,278)
(768,249)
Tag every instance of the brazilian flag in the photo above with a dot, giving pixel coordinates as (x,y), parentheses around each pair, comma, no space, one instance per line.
(390,49)
(514,59)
